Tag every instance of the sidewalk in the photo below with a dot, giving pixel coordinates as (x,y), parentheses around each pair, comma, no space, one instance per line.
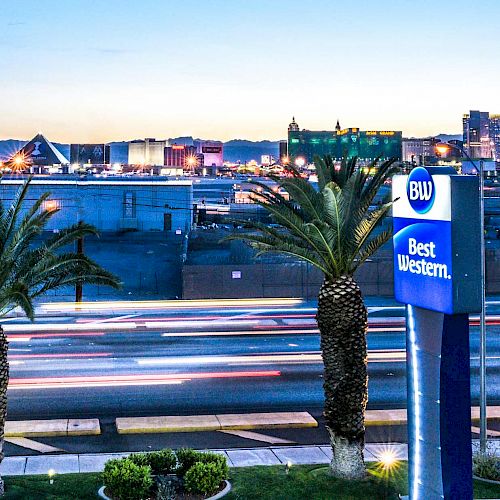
(239,457)
(236,457)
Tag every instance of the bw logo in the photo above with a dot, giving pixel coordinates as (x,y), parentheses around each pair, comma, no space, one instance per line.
(420,190)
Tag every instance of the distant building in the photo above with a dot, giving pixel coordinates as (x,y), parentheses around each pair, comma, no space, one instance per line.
(304,145)
(148,152)
(37,156)
(283,145)
(212,151)
(139,203)
(495,135)
(476,134)
(419,151)
(89,154)
(181,157)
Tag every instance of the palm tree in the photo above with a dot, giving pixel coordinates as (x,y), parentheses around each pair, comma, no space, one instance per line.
(29,269)
(332,228)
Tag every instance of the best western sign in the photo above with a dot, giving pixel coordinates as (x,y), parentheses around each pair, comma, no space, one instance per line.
(436,240)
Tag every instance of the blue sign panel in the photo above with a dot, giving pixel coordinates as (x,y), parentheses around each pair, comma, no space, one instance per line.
(422,262)
(430,222)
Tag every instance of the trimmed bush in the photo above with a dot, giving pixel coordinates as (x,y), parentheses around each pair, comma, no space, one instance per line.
(161,462)
(127,480)
(204,478)
(186,458)
(139,459)
(217,459)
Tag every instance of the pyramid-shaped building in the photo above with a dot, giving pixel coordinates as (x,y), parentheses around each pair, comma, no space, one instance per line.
(41,152)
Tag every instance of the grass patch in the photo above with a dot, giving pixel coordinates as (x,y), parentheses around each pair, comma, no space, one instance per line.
(65,487)
(310,482)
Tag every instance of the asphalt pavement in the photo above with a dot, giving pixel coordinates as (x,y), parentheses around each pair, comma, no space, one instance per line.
(123,360)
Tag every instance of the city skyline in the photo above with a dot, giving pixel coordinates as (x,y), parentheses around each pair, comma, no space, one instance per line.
(93,72)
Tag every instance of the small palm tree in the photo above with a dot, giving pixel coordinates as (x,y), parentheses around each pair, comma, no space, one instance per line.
(332,228)
(29,269)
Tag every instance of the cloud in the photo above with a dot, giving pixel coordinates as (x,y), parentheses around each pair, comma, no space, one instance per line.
(16,23)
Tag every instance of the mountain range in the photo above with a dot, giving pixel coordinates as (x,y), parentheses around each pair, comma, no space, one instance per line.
(234,150)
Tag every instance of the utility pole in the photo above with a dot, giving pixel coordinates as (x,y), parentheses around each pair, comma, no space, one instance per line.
(482,340)
(79,286)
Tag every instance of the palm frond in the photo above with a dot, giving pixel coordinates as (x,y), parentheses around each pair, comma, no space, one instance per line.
(332,228)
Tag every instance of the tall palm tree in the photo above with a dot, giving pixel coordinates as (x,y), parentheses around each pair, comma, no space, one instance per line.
(29,268)
(332,228)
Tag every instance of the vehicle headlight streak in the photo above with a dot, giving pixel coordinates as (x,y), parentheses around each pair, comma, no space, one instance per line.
(416,397)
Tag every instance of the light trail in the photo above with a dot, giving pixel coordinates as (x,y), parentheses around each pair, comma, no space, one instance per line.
(61,355)
(65,327)
(126,380)
(79,307)
(274,331)
(374,356)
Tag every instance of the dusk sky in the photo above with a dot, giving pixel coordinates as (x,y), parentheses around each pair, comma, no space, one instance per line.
(82,70)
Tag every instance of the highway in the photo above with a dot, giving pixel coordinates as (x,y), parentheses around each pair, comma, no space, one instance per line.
(204,357)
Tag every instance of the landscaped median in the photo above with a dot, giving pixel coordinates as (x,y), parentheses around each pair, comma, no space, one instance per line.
(250,483)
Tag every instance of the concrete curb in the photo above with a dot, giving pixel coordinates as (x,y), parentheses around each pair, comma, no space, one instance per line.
(48,428)
(204,423)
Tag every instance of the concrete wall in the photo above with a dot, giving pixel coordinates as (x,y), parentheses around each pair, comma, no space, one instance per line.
(296,279)
(111,205)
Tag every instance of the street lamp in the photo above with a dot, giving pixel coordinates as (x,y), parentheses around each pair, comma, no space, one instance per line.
(443,148)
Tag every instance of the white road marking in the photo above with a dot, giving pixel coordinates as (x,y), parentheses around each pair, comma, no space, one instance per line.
(255,436)
(30,444)
(108,320)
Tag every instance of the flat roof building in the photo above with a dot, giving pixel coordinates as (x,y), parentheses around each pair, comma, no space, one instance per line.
(304,145)
(147,152)
(131,203)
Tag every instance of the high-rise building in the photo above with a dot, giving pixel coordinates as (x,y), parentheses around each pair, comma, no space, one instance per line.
(304,145)
(148,152)
(283,145)
(476,134)
(495,136)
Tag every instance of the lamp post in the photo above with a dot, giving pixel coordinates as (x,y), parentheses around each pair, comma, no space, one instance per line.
(443,148)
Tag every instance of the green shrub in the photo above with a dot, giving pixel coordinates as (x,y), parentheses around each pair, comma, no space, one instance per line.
(139,459)
(204,478)
(186,458)
(217,459)
(127,480)
(161,462)
(487,466)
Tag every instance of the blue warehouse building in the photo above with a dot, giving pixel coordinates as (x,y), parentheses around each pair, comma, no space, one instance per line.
(111,204)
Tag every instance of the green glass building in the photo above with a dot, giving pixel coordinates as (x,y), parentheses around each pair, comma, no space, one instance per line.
(304,145)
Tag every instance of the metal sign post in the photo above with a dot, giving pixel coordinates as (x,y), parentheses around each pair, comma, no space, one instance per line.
(437,273)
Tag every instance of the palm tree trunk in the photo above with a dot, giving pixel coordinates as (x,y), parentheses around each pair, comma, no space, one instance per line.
(343,323)
(4,380)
